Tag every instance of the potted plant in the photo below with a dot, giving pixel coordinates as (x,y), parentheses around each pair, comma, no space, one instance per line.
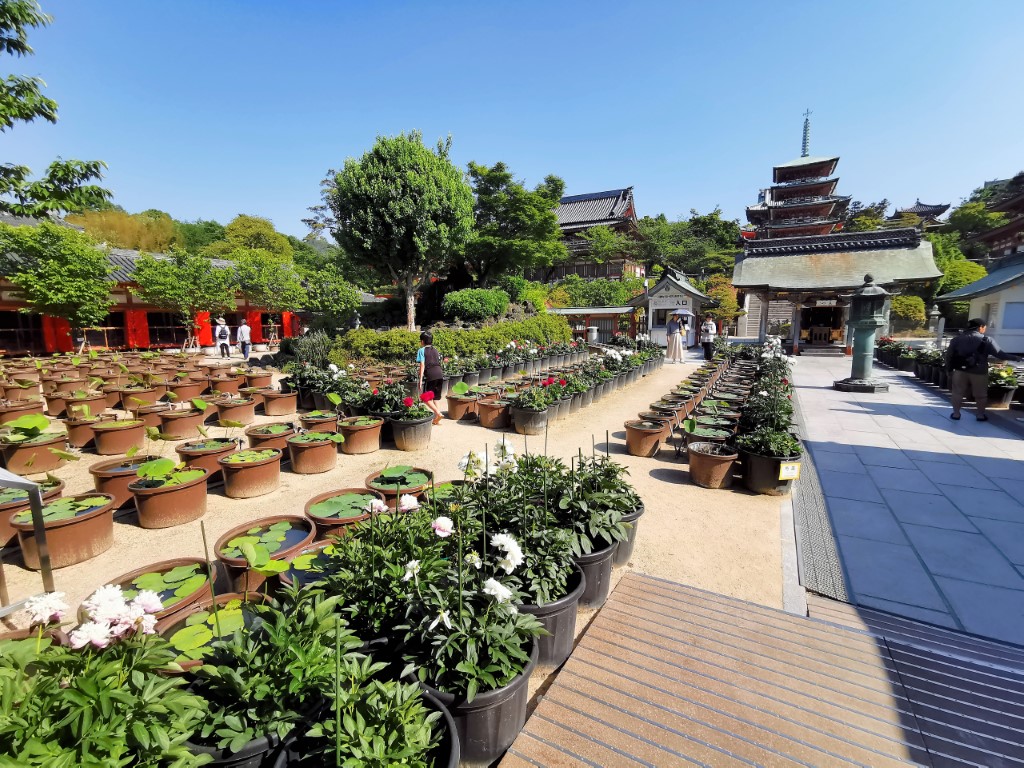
(28,448)
(240,409)
(181,423)
(1002,384)
(78,528)
(397,481)
(643,438)
(529,411)
(78,425)
(116,437)
(362,434)
(494,413)
(320,421)
(711,464)
(334,511)
(461,402)
(168,494)
(192,631)
(412,424)
(273,435)
(207,452)
(251,473)
(13,409)
(115,475)
(246,548)
(764,452)
(255,377)
(178,583)
(313,453)
(277,403)
(14,500)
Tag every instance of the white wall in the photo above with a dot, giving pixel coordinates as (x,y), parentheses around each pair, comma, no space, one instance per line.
(993,308)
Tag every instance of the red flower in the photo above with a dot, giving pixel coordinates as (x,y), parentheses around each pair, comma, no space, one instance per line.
(789,397)
(374,392)
(387,381)
(562,382)
(427,396)
(407,402)
(785,382)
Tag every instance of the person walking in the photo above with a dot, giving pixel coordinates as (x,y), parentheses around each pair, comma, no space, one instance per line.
(674,338)
(708,331)
(223,336)
(244,339)
(430,371)
(967,363)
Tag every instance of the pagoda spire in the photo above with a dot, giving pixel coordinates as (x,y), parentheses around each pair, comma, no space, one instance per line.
(806,145)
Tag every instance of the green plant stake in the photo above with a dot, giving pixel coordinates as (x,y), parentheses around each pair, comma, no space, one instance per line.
(213,576)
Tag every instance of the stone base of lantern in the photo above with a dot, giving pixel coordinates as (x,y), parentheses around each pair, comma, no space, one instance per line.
(869,386)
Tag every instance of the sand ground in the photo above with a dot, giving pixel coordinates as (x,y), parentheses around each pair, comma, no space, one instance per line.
(723,541)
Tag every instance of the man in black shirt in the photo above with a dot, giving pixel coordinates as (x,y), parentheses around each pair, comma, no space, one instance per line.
(967,362)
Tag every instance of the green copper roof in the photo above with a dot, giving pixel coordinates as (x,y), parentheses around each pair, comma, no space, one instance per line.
(999,278)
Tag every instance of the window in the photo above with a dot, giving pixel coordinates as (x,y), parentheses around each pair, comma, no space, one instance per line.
(660,318)
(165,329)
(1013,315)
(108,334)
(21,333)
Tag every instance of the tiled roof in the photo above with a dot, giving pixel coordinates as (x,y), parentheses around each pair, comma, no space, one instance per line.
(1010,271)
(595,209)
(123,261)
(800,161)
(903,237)
(28,221)
(922,209)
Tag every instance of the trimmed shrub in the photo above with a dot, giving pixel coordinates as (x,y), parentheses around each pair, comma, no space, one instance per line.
(908,312)
(475,304)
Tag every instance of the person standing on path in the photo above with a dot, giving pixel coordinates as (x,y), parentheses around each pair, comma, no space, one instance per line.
(430,371)
(244,338)
(674,338)
(967,362)
(707,336)
(223,335)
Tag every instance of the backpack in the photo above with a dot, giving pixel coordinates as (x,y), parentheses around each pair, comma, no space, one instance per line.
(223,333)
(961,362)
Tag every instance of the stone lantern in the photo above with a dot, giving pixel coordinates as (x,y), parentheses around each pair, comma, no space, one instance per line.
(867,315)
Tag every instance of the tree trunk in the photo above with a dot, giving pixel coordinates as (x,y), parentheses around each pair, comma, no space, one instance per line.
(410,303)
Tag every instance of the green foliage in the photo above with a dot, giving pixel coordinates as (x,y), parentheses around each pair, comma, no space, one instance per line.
(268,280)
(957,275)
(184,283)
(909,311)
(401,209)
(600,293)
(194,236)
(150,231)
(704,243)
(604,243)
(313,349)
(973,218)
(475,304)
(515,229)
(1002,376)
(251,233)
(720,289)
(329,294)
(767,442)
(58,271)
(860,217)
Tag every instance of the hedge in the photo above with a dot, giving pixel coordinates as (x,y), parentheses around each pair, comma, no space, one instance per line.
(475,304)
(399,346)
(908,311)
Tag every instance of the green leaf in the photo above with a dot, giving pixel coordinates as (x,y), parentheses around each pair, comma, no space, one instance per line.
(199,404)
(64,454)
(191,637)
(190,585)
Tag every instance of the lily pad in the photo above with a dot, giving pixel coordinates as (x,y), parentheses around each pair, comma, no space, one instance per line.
(347,505)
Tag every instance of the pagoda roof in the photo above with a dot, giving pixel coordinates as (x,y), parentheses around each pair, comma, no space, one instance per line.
(807,161)
(924,210)
(1011,270)
(595,209)
(804,163)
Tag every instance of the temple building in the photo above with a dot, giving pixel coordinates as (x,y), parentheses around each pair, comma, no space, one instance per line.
(927,214)
(797,265)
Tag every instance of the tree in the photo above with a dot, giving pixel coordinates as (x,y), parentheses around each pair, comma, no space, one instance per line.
(329,294)
(64,186)
(703,244)
(402,210)
(252,233)
(139,231)
(862,218)
(195,236)
(908,312)
(956,275)
(515,230)
(185,283)
(719,288)
(269,280)
(598,293)
(58,271)
(974,218)
(604,243)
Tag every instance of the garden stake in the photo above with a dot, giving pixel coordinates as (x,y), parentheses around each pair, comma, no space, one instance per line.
(487,502)
(546,422)
(607,446)
(212,575)
(337,691)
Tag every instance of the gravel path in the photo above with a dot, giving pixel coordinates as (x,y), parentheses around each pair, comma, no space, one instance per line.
(723,541)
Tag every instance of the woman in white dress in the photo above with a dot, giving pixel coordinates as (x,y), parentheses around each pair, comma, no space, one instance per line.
(674,338)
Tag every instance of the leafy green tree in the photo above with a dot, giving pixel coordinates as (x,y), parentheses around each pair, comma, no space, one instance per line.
(140,231)
(195,236)
(269,280)
(185,283)
(329,294)
(515,229)
(252,233)
(604,243)
(401,209)
(908,312)
(58,271)
(599,293)
(64,186)
(862,218)
(973,218)
(703,244)
(719,288)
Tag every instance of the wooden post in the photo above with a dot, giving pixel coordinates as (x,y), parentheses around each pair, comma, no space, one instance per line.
(762,330)
(794,326)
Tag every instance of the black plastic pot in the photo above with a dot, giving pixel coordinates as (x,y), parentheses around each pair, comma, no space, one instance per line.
(448,752)
(597,569)
(387,434)
(528,421)
(625,549)
(488,726)
(761,474)
(559,618)
(263,752)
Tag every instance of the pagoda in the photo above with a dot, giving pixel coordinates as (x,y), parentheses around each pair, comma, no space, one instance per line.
(801,200)
(928,214)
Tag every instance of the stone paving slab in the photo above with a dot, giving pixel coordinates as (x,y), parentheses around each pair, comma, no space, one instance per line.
(926,512)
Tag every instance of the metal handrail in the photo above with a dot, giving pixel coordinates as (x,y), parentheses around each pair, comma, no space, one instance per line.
(35,502)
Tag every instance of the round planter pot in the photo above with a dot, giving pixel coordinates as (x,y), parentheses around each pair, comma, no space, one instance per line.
(225,385)
(33,458)
(79,431)
(133,398)
(259,379)
(113,478)
(761,474)
(560,409)
(175,608)
(625,549)
(319,424)
(255,394)
(181,425)
(7,532)
(391,494)
(279,440)
(471,378)
(461,408)
(243,578)
(597,568)
(205,458)
(494,414)
(313,458)
(113,439)
(70,541)
(68,385)
(262,752)
(709,469)
(1000,397)
(413,435)
(185,390)
(559,618)
(250,479)
(177,620)
(280,403)
(149,415)
(488,726)
(643,441)
(332,526)
(528,421)
(171,505)
(242,411)
(359,439)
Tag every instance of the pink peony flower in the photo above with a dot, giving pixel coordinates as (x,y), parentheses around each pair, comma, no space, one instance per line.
(443,527)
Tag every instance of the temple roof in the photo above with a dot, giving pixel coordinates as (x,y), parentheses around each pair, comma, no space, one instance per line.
(791,171)
(903,237)
(123,261)
(807,161)
(595,209)
(922,209)
(1011,269)
(29,221)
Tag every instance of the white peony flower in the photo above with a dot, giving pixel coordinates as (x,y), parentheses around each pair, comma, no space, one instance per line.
(471,464)
(497,590)
(377,507)
(503,451)
(443,526)
(47,608)
(442,617)
(408,503)
(474,560)
(763,393)
(92,633)
(412,570)
(332,368)
(148,601)
(106,604)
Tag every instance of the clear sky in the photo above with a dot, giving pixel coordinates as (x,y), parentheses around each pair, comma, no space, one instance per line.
(209,108)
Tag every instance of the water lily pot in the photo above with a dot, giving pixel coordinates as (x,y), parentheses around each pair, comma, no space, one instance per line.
(259,439)
(181,425)
(169,505)
(176,606)
(34,457)
(206,454)
(248,479)
(312,458)
(73,540)
(494,414)
(643,438)
(461,408)
(330,525)
(360,438)
(280,403)
(116,438)
(10,508)
(528,421)
(299,536)
(242,410)
(711,464)
(115,475)
(319,423)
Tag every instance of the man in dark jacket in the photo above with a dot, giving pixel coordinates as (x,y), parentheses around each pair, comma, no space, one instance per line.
(967,362)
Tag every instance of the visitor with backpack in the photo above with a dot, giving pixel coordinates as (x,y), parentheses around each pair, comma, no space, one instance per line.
(223,336)
(967,363)
(431,375)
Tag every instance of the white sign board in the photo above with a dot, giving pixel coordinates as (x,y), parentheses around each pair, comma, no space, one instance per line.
(825,303)
(665,302)
(789,470)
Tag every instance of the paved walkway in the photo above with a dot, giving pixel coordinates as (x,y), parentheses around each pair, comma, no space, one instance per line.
(928,513)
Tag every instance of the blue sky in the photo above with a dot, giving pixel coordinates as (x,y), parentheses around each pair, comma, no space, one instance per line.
(208,109)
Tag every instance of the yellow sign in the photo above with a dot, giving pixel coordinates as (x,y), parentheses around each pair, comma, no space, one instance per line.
(789,470)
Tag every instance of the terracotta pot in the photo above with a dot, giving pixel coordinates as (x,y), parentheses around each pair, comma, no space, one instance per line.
(70,541)
(226,385)
(69,385)
(95,402)
(133,398)
(332,526)
(461,408)
(413,435)
(325,424)
(79,431)
(7,532)
(263,379)
(259,441)
(313,458)
(149,415)
(279,403)
(182,605)
(643,441)
(710,470)
(253,393)
(15,409)
(205,458)
(250,479)
(391,494)
(185,390)
(33,458)
(244,412)
(56,404)
(238,568)
(180,425)
(113,439)
(113,477)
(360,439)
(494,414)
(170,505)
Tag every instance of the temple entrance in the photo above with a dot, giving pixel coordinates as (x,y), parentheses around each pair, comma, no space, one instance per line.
(821,325)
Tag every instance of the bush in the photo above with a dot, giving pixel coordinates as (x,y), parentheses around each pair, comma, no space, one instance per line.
(475,304)
(908,312)
(600,293)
